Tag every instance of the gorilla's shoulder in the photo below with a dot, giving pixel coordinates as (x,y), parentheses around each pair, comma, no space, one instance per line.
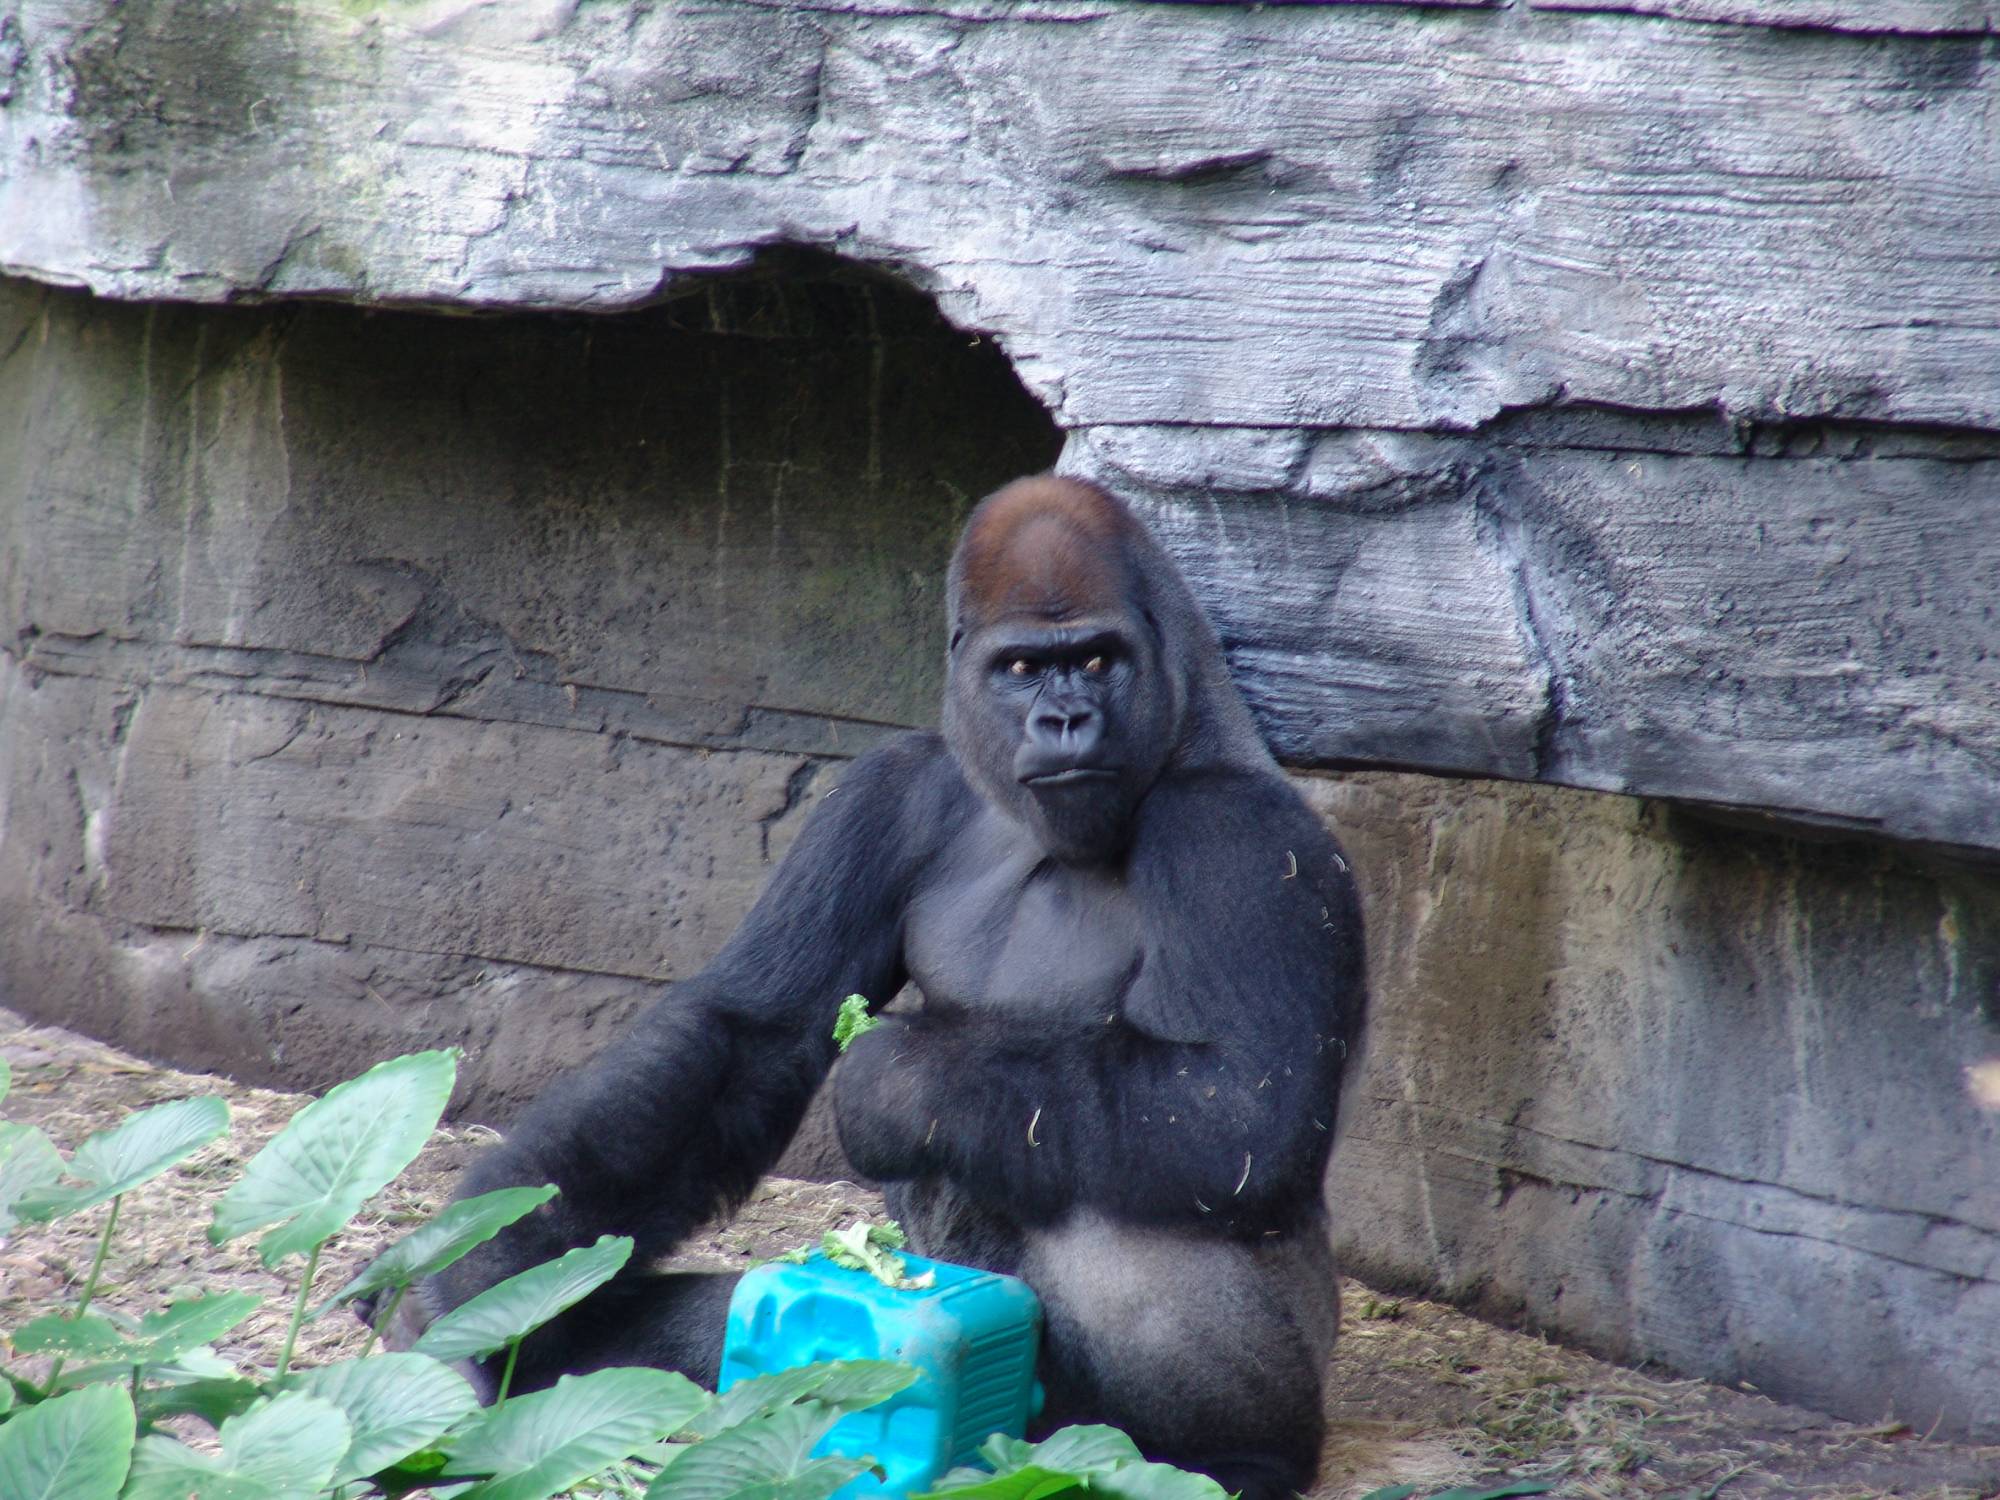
(1232,817)
(910,783)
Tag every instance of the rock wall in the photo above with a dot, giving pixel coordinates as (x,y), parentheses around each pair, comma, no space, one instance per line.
(1707,282)
(1685,1093)
(1591,395)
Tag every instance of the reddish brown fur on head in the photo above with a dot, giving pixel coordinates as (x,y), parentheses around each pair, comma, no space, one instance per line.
(1048,548)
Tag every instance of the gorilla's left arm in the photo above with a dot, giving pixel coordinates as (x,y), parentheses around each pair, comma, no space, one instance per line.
(1210,1094)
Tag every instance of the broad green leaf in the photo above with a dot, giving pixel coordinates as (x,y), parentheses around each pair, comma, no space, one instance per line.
(187,1325)
(1505,1492)
(156,1339)
(1084,1450)
(848,1385)
(396,1405)
(1102,1458)
(522,1303)
(137,1149)
(765,1450)
(75,1447)
(1031,1482)
(429,1248)
(815,1481)
(86,1337)
(538,1444)
(215,1401)
(1149,1481)
(283,1449)
(335,1154)
(1003,1453)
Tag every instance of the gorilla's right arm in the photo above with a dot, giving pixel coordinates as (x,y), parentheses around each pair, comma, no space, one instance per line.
(676,1120)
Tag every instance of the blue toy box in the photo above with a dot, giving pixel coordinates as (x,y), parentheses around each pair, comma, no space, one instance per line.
(973,1334)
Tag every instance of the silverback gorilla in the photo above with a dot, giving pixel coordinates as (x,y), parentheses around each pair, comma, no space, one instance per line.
(1140,963)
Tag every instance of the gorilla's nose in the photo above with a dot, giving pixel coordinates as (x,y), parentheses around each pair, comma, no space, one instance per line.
(1072,732)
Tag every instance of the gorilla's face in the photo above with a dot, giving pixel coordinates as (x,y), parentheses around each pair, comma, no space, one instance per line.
(1067,723)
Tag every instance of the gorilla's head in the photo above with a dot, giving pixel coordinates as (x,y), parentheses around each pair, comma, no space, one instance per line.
(1080,667)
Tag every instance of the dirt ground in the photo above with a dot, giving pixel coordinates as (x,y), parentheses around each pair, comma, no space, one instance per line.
(1418,1393)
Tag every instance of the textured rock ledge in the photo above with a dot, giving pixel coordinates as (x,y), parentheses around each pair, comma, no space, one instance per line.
(1592,393)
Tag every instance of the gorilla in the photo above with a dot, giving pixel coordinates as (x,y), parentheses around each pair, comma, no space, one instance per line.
(1139,959)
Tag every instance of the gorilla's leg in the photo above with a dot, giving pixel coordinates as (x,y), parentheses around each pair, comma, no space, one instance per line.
(943,1222)
(672,1321)
(1210,1353)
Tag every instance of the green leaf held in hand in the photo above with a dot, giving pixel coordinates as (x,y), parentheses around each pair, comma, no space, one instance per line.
(336,1153)
(429,1248)
(853,1021)
(76,1447)
(539,1444)
(522,1303)
(137,1149)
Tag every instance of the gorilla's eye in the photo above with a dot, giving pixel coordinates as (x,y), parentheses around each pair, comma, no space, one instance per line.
(1020,666)
(1095,666)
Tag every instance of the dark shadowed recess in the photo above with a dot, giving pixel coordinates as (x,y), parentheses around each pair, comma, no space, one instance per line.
(375,679)
(743,496)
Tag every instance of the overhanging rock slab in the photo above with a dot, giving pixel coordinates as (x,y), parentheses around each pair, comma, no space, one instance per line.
(1601,394)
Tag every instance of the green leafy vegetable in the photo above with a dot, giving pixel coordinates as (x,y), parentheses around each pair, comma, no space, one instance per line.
(853,1021)
(872,1248)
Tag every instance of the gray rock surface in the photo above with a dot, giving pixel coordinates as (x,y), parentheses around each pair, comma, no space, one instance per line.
(1686,1094)
(1597,393)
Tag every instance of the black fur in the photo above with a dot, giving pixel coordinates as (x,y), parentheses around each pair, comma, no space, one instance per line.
(1140,961)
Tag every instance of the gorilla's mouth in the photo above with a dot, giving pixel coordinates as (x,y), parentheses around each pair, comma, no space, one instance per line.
(1069,777)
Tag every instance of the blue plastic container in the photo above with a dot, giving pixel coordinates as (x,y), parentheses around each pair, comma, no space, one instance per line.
(973,1334)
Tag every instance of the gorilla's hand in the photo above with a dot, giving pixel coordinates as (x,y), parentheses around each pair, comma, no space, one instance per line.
(880,1103)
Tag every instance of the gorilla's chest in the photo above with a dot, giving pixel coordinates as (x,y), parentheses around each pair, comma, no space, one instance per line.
(1000,927)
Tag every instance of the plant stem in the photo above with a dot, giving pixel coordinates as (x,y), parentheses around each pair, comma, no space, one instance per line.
(384,1320)
(90,1281)
(298,1313)
(97,1265)
(22,1384)
(507,1375)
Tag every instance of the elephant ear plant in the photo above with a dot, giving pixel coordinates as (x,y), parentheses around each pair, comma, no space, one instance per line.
(96,1402)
